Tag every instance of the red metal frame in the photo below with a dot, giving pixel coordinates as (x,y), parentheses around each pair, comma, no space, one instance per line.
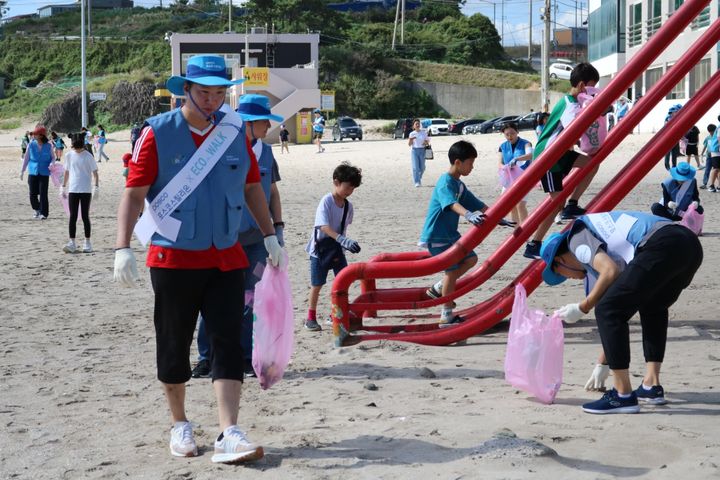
(347,317)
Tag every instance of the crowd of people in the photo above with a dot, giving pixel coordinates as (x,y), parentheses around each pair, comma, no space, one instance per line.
(223,223)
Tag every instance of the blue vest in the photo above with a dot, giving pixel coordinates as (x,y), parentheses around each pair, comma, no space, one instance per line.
(319,124)
(211,214)
(509,154)
(265,163)
(40,159)
(673,188)
(645,222)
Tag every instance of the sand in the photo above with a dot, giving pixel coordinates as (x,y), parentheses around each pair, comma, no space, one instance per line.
(79,397)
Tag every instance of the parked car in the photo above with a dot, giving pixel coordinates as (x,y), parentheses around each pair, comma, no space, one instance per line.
(346,127)
(485,127)
(457,127)
(528,121)
(403,127)
(500,122)
(560,70)
(438,126)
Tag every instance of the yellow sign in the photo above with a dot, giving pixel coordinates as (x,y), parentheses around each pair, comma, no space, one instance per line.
(162,92)
(327,100)
(256,76)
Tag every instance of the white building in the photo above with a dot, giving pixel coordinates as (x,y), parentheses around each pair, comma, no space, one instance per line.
(287,63)
(619,28)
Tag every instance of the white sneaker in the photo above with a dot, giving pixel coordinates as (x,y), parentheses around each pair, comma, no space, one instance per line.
(70,247)
(36,214)
(182,443)
(235,447)
(87,246)
(417,184)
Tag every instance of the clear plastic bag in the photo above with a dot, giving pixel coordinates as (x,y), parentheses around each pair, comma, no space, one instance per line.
(534,356)
(273,336)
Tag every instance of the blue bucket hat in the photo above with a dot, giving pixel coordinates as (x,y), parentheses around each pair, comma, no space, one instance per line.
(256,107)
(684,171)
(547,253)
(317,110)
(207,70)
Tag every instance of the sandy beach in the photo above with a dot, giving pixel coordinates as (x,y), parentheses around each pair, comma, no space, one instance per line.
(79,396)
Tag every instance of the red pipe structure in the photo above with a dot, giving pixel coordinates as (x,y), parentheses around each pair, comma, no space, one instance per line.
(347,317)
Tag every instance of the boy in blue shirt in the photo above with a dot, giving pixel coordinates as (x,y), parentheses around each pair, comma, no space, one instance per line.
(449,201)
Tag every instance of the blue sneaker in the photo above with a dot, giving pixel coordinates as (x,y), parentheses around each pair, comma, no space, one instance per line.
(654,396)
(612,403)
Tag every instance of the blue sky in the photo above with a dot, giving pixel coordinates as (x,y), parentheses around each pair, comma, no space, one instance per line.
(515,25)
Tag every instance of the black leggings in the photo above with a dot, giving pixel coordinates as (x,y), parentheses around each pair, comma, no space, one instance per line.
(650,284)
(38,186)
(82,199)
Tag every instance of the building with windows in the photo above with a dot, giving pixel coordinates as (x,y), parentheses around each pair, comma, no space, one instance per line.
(282,66)
(50,10)
(618,29)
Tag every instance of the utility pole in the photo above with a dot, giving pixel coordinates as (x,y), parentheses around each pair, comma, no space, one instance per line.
(397,15)
(530,37)
(502,24)
(575,32)
(89,15)
(402,24)
(83,82)
(544,74)
(229,16)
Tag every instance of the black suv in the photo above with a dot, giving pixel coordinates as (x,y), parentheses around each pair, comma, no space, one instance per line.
(346,127)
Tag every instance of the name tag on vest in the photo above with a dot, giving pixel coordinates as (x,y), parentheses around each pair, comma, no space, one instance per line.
(615,233)
(156,216)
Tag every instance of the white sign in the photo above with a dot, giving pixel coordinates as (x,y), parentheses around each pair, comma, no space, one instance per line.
(95,96)
(327,100)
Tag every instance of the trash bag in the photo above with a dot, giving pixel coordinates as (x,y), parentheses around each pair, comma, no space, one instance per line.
(693,220)
(57,172)
(534,356)
(272,326)
(508,175)
(595,135)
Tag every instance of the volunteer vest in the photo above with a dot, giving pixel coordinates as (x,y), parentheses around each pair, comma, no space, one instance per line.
(674,188)
(620,228)
(265,163)
(211,214)
(509,154)
(40,159)
(319,124)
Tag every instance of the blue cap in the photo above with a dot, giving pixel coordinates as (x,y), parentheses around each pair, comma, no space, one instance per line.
(317,110)
(684,171)
(207,70)
(256,107)
(547,253)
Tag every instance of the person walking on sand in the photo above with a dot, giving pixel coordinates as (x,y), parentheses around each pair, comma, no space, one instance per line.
(418,140)
(102,141)
(318,129)
(284,139)
(37,160)
(635,263)
(196,169)
(58,145)
(77,187)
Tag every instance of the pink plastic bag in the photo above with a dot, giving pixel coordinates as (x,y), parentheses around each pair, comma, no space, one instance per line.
(57,171)
(508,175)
(693,220)
(534,356)
(272,326)
(595,135)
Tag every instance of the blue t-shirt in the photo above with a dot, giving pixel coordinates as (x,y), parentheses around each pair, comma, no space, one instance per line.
(441,223)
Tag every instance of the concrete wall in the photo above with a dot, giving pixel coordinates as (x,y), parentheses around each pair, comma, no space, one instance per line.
(467,101)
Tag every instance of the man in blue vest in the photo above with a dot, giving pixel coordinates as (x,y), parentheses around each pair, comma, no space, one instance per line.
(255,113)
(195,168)
(634,262)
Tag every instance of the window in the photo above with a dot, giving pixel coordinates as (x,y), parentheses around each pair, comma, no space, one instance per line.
(652,75)
(699,75)
(702,20)
(604,29)
(673,5)
(678,91)
(635,25)
(654,17)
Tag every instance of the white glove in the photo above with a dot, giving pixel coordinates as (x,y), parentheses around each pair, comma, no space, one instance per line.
(125,267)
(22,174)
(570,313)
(672,205)
(276,254)
(63,191)
(695,204)
(512,163)
(597,379)
(95,192)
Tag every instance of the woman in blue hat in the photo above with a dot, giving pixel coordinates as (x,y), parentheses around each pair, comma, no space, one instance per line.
(679,192)
(632,263)
(255,112)
(193,167)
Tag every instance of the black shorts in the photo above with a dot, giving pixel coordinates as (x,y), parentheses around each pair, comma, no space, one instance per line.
(179,296)
(714,162)
(317,135)
(691,150)
(553,181)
